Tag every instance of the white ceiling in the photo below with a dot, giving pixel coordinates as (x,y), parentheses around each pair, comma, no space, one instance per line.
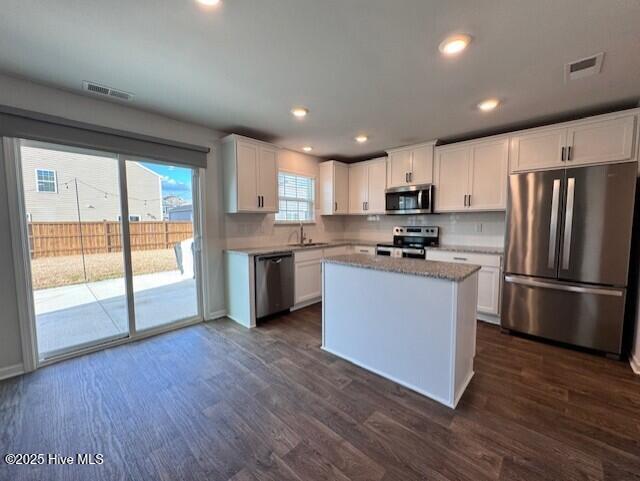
(368,66)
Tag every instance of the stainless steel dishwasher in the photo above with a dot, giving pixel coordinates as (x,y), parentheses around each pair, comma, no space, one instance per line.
(274,283)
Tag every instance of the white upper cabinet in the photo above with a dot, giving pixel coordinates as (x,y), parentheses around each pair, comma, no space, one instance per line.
(451,172)
(334,188)
(597,140)
(399,168)
(367,185)
(540,149)
(358,187)
(410,165)
(268,178)
(601,141)
(377,185)
(488,172)
(250,175)
(472,176)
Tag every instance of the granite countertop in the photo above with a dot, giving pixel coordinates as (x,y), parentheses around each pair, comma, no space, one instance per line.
(415,267)
(258,251)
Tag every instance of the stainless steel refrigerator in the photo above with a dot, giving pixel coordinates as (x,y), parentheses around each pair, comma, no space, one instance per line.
(567,254)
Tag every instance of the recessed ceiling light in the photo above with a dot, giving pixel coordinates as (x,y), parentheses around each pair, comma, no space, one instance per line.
(299,112)
(208,3)
(307,148)
(488,105)
(455,44)
(361,139)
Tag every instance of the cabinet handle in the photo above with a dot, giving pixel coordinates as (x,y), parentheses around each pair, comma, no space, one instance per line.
(562,154)
(465,200)
(258,201)
(569,152)
(460,259)
(261,201)
(336,207)
(469,200)
(406,177)
(410,176)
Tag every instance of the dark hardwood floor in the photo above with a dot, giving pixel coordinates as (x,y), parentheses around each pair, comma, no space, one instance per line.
(219,402)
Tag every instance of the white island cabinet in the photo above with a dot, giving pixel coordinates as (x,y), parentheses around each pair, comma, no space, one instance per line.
(410,321)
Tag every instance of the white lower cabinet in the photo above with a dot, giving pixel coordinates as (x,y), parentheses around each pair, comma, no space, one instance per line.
(489,278)
(308,273)
(308,276)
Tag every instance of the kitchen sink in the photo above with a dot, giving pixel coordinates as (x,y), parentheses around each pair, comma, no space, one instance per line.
(311,244)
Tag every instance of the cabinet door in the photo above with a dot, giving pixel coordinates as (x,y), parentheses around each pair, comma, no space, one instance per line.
(268,179)
(399,168)
(452,179)
(607,140)
(341,189)
(377,185)
(541,149)
(489,290)
(247,162)
(422,165)
(488,175)
(358,187)
(308,281)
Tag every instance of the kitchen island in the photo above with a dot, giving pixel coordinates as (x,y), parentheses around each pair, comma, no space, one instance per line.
(411,321)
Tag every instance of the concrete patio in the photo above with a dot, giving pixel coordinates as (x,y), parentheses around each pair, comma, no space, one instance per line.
(84,313)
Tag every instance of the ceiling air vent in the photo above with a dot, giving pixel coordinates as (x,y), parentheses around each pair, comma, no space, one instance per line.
(101,90)
(584,67)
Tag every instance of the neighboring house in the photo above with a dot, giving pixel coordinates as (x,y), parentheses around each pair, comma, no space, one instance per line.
(49,178)
(169,202)
(183,212)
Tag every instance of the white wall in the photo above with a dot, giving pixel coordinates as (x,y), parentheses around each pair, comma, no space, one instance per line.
(258,230)
(30,96)
(484,229)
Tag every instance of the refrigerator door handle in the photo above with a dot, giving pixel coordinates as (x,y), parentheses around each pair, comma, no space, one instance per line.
(553,225)
(523,281)
(568,223)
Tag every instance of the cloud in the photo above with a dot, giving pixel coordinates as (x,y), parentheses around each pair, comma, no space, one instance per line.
(169,181)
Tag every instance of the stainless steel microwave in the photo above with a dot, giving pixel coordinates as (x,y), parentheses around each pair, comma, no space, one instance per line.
(414,199)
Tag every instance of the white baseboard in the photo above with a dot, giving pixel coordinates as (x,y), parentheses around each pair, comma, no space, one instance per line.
(634,360)
(491,319)
(306,304)
(11,371)
(216,315)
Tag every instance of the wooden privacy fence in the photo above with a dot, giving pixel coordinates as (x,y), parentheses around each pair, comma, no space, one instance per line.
(50,239)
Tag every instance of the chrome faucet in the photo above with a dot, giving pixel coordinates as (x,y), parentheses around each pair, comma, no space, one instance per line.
(303,236)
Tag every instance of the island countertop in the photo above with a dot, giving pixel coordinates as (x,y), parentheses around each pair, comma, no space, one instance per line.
(417,267)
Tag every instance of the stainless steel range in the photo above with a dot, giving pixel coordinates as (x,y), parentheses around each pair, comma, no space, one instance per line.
(410,241)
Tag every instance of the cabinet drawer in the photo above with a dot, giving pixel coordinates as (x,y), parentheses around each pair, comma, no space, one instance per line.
(369,250)
(308,255)
(336,251)
(484,260)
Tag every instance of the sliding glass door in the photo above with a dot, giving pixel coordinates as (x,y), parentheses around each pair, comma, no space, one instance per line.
(163,237)
(112,243)
(72,206)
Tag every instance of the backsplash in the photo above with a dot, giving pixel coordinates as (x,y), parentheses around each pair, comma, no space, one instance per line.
(481,229)
(259,230)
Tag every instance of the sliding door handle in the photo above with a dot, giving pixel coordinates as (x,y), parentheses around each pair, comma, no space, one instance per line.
(568,223)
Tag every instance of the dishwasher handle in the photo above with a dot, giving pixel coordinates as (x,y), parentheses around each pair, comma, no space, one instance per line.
(275,258)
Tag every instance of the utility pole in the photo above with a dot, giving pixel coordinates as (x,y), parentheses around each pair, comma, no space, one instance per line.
(84,266)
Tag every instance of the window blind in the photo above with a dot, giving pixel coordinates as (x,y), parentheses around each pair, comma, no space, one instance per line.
(296,198)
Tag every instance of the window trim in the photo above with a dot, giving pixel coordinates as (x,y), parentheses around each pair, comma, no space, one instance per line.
(55,181)
(313,203)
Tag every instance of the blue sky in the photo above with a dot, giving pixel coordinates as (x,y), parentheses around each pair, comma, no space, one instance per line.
(175,180)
